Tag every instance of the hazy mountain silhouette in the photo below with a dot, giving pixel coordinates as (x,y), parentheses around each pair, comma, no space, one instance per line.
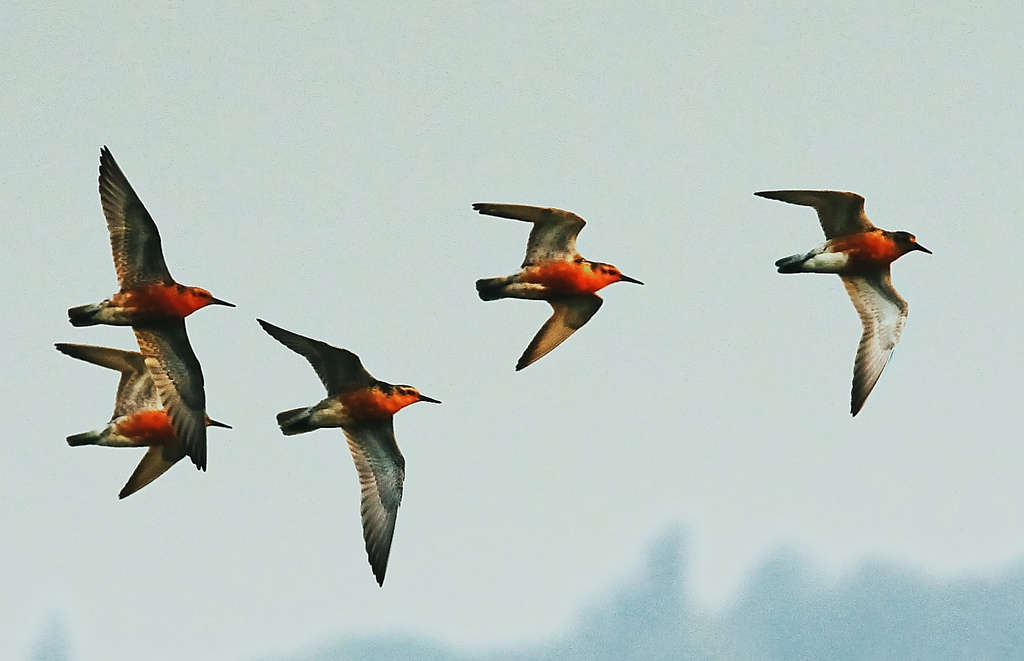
(54,644)
(787,611)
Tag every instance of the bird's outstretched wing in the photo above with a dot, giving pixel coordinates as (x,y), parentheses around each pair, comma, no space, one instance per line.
(154,463)
(134,239)
(568,316)
(179,380)
(381,469)
(338,369)
(553,237)
(135,390)
(883,312)
(840,213)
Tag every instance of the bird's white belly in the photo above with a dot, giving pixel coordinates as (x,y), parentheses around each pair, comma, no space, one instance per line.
(826,262)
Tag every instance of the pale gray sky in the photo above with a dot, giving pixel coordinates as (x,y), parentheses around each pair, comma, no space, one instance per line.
(316,166)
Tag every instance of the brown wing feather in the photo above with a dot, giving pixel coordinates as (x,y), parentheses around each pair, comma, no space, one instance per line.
(179,380)
(135,390)
(339,369)
(381,469)
(883,313)
(840,213)
(568,316)
(134,239)
(553,237)
(154,463)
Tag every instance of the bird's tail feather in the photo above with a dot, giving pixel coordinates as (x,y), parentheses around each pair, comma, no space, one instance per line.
(791,264)
(491,289)
(85,438)
(83,315)
(294,421)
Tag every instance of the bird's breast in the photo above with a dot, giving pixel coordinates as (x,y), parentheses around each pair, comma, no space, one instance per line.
(868,249)
(565,277)
(158,301)
(146,428)
(369,404)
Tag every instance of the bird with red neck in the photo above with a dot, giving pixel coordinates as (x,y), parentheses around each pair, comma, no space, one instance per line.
(364,408)
(147,292)
(553,271)
(860,254)
(140,418)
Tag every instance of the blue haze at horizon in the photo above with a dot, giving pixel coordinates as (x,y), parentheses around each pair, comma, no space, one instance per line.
(788,609)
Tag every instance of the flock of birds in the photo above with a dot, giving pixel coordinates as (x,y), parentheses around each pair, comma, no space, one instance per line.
(161,402)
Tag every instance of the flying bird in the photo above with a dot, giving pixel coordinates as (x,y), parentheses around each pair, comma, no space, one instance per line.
(860,254)
(364,408)
(147,291)
(154,304)
(553,271)
(139,419)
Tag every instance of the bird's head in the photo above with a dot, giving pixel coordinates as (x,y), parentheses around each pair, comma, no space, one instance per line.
(402,396)
(612,273)
(908,242)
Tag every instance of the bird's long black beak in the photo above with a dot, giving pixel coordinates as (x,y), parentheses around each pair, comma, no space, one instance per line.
(217,301)
(626,278)
(210,422)
(424,398)
(918,246)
